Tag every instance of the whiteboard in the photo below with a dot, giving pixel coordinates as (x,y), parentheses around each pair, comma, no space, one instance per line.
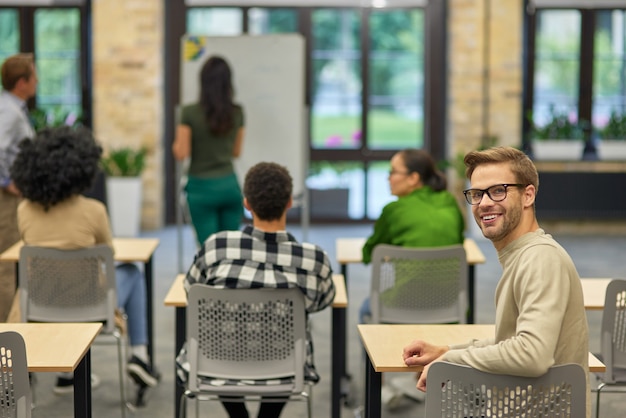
(268,78)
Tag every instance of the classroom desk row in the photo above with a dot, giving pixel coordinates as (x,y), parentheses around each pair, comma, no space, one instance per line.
(177,297)
(126,250)
(63,347)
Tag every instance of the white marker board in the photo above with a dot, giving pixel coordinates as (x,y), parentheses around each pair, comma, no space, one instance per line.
(268,78)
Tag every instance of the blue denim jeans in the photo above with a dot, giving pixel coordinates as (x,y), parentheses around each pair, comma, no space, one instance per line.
(131,298)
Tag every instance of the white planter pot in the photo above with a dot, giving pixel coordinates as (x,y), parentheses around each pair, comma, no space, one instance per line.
(124,195)
(558,150)
(610,149)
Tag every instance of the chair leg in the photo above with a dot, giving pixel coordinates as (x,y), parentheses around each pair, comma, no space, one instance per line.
(309,402)
(600,386)
(120,361)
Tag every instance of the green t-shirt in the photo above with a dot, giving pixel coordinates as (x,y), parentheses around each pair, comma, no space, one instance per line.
(424,218)
(211,155)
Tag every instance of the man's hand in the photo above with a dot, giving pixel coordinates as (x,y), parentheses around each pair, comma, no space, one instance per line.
(12,189)
(421,353)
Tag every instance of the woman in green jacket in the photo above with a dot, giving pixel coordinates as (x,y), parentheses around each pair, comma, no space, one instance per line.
(425,214)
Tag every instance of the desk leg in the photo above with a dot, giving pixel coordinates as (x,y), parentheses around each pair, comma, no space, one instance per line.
(181,331)
(373,383)
(149,309)
(342,359)
(470,294)
(82,387)
(338,361)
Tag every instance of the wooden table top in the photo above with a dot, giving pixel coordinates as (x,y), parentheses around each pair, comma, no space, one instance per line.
(54,347)
(125,249)
(177,297)
(594,292)
(384,343)
(348,251)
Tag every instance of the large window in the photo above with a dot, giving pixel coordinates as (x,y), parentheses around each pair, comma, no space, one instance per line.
(576,68)
(56,36)
(366,89)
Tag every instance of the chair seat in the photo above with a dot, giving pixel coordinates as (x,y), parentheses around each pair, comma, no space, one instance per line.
(619,373)
(211,382)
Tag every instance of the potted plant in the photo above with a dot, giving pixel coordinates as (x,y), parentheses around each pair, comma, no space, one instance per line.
(123,167)
(612,144)
(559,139)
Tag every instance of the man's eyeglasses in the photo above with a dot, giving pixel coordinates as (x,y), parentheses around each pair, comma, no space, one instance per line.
(497,193)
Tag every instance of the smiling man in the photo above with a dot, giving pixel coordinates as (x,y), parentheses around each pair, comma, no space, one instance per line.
(540,315)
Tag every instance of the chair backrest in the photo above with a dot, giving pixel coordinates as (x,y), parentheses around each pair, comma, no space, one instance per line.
(255,334)
(613,340)
(68,285)
(418,285)
(458,391)
(15,397)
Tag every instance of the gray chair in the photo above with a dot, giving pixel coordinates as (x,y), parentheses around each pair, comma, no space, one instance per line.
(613,341)
(71,286)
(418,285)
(236,337)
(455,390)
(15,396)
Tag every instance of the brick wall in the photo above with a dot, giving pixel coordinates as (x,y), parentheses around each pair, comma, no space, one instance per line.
(128,88)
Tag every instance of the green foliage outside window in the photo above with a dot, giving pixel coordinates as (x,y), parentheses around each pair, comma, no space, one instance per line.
(615,128)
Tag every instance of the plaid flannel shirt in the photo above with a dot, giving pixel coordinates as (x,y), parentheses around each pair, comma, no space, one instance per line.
(254,259)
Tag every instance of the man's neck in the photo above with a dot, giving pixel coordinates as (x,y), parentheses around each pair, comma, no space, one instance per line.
(270,226)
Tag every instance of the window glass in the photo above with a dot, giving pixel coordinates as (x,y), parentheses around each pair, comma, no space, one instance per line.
(214,21)
(57,55)
(609,67)
(396,83)
(557,63)
(378,193)
(337,188)
(336,91)
(9,33)
(263,21)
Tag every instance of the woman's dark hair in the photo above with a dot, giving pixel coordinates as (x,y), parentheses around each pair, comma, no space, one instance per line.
(420,162)
(216,95)
(57,164)
(268,188)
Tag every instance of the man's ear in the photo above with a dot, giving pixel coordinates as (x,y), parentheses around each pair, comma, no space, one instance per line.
(246,204)
(530,193)
(290,203)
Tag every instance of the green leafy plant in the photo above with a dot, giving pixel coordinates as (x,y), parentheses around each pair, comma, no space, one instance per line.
(53,118)
(559,127)
(615,127)
(124,162)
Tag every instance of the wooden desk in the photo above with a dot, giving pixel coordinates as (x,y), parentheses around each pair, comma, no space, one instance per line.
(384,345)
(64,347)
(594,291)
(177,297)
(126,250)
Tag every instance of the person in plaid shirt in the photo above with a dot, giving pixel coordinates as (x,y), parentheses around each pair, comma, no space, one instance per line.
(265,255)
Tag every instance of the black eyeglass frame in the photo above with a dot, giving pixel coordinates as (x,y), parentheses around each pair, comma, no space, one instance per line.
(468,196)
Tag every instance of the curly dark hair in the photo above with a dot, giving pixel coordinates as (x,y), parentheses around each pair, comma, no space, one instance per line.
(268,188)
(59,163)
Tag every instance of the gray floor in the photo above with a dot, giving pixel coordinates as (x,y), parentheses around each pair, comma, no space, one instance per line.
(595,256)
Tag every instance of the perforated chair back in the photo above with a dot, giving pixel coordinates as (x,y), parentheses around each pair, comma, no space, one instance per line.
(458,391)
(613,343)
(68,285)
(15,396)
(418,285)
(246,334)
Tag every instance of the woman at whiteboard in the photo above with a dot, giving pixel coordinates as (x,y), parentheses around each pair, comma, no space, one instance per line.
(211,133)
